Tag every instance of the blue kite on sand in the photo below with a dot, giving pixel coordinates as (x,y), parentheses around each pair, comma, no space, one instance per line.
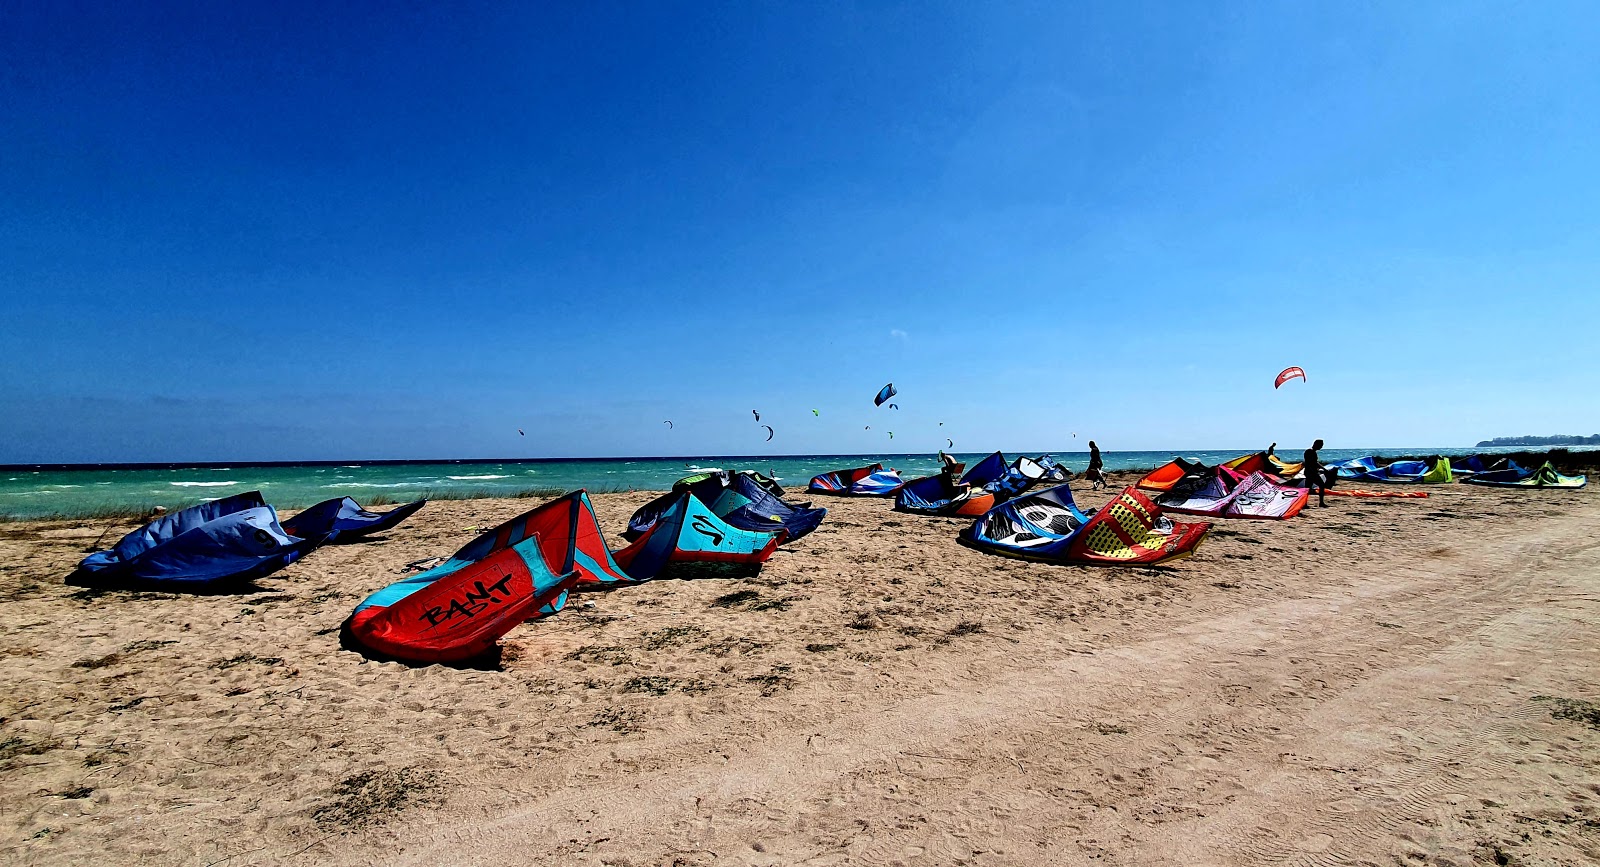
(223,542)
(343,520)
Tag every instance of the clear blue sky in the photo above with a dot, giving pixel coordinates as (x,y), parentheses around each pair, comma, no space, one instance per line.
(235,231)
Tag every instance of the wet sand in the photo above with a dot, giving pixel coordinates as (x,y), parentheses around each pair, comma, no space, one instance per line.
(1367,683)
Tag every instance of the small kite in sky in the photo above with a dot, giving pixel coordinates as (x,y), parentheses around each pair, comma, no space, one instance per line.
(884,394)
(814,412)
(949,443)
(756,414)
(668,424)
(520,433)
(891,434)
(769,432)
(1288,374)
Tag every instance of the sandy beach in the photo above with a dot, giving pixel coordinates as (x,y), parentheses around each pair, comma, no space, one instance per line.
(1377,682)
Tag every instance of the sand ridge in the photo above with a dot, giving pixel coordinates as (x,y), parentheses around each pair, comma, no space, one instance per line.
(1354,685)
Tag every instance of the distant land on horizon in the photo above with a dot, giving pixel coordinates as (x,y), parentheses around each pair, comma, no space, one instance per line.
(1556,440)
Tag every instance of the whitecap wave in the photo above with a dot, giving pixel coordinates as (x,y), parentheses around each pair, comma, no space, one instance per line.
(201,484)
(376,485)
(476,478)
(66,486)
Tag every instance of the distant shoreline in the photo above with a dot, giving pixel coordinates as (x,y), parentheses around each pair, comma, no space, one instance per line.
(1527,441)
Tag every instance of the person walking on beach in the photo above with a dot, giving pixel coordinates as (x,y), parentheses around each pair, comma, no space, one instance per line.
(1313,470)
(1096,474)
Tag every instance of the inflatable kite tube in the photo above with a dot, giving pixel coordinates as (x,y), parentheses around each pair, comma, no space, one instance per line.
(839,482)
(1223,494)
(936,495)
(688,532)
(882,483)
(1543,477)
(462,609)
(1048,527)
(740,499)
(343,520)
(216,545)
(1169,474)
(1387,495)
(516,571)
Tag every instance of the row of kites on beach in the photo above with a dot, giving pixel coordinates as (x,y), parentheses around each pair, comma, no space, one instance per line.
(728,523)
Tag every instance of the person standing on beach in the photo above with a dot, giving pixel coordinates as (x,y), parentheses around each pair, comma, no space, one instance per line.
(1096,474)
(1313,470)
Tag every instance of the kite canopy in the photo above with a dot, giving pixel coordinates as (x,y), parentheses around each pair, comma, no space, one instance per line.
(1280,468)
(1168,475)
(1288,374)
(1023,474)
(985,471)
(1517,477)
(1222,493)
(1355,468)
(226,541)
(884,394)
(1471,465)
(879,484)
(1048,526)
(1254,462)
(1409,473)
(460,608)
(738,498)
(838,482)
(688,534)
(343,520)
(939,495)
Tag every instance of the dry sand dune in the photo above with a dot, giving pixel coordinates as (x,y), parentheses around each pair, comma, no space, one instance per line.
(1369,683)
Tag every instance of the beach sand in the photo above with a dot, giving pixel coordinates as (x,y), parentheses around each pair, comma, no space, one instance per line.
(1363,684)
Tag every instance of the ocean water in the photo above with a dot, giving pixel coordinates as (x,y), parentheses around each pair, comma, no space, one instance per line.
(27,492)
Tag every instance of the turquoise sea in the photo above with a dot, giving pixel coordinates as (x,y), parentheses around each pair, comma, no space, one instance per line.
(32,491)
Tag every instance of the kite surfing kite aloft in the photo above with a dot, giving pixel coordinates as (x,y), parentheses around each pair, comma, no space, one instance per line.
(884,394)
(1288,374)
(756,413)
(769,432)
(668,424)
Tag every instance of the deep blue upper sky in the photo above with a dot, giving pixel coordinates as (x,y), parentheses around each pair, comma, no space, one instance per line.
(235,231)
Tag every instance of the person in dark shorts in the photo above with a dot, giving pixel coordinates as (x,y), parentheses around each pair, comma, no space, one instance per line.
(1313,470)
(1096,474)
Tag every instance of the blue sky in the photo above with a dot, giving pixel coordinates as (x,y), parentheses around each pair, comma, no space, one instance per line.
(269,232)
